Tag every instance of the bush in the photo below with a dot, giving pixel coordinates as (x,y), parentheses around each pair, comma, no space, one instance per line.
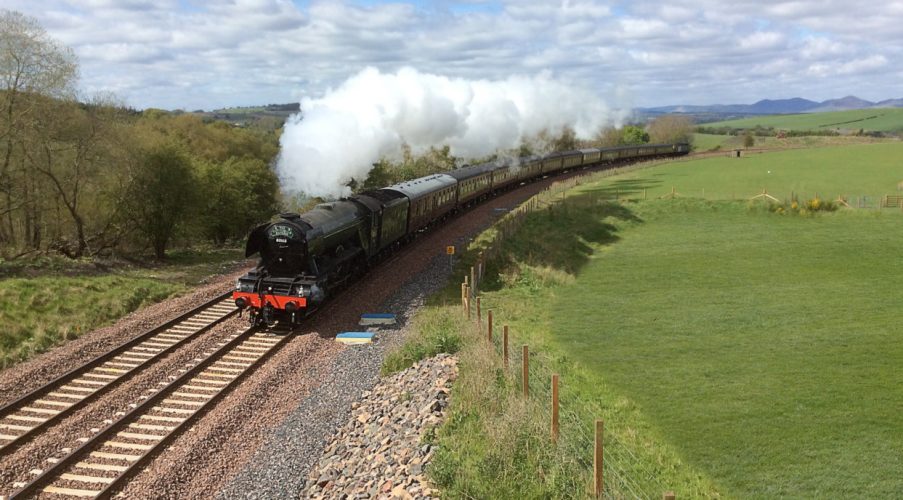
(805,208)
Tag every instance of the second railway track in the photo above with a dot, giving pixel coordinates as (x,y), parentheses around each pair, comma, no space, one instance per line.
(37,411)
(106,460)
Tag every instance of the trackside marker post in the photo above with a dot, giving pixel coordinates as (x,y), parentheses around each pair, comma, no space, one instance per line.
(668,495)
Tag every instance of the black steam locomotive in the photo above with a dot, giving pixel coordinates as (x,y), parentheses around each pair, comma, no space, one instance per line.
(305,257)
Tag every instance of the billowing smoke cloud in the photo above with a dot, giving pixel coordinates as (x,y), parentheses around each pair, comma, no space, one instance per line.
(372,114)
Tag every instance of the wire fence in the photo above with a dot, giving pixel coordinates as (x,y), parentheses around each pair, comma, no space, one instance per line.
(574,429)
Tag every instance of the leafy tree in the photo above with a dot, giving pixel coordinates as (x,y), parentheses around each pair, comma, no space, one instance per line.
(33,67)
(749,140)
(566,141)
(238,194)
(632,134)
(670,129)
(608,137)
(162,194)
(381,175)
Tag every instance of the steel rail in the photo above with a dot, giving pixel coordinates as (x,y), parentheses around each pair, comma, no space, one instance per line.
(35,425)
(249,339)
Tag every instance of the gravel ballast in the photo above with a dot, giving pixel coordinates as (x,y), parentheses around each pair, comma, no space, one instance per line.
(280,468)
(381,450)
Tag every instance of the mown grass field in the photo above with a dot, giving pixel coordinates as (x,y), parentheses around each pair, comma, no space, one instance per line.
(731,351)
(880,120)
(870,170)
(714,142)
(39,308)
(765,349)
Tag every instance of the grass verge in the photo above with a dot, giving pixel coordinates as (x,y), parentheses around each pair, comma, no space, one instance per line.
(496,443)
(40,309)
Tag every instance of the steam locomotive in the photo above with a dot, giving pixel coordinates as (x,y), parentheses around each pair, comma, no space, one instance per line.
(304,258)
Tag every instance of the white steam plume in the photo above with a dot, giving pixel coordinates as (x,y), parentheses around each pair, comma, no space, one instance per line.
(372,114)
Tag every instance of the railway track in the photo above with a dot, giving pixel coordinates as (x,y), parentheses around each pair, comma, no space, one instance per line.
(105,461)
(37,411)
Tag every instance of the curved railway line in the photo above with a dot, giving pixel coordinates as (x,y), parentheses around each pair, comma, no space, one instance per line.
(37,411)
(103,462)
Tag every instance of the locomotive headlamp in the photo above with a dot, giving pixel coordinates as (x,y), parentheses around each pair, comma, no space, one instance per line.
(244,286)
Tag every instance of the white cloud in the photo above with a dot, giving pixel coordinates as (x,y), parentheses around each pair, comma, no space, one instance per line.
(225,52)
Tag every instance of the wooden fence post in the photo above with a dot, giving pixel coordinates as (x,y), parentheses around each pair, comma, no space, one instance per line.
(526,370)
(473,282)
(505,345)
(468,296)
(668,495)
(489,330)
(464,297)
(479,315)
(480,274)
(554,407)
(597,460)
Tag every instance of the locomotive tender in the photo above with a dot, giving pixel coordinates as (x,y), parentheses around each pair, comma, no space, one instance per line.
(306,257)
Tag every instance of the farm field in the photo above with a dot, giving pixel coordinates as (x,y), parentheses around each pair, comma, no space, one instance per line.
(764,348)
(731,351)
(869,170)
(879,120)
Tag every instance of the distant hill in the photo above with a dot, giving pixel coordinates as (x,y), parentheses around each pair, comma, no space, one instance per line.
(269,116)
(716,112)
(843,104)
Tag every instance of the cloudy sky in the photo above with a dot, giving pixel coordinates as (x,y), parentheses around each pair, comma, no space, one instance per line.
(207,54)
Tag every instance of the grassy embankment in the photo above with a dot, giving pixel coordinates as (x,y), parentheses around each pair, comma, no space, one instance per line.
(730,350)
(43,303)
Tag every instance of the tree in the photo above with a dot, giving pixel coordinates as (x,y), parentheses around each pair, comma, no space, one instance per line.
(748,140)
(670,129)
(566,141)
(33,66)
(72,152)
(163,192)
(632,134)
(238,194)
(608,137)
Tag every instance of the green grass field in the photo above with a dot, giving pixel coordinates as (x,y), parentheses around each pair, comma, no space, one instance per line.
(712,142)
(731,351)
(765,349)
(870,170)
(880,120)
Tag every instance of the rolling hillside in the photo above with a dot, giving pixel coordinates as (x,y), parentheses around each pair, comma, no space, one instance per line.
(877,120)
